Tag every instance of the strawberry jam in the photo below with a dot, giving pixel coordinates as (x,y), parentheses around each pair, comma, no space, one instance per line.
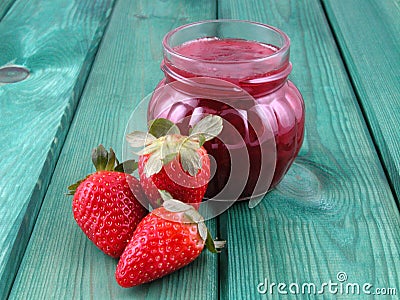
(237,70)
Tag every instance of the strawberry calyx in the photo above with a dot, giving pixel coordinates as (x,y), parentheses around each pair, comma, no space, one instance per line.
(107,161)
(164,142)
(104,160)
(193,216)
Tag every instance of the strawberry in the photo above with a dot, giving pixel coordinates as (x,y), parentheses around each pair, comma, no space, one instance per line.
(172,164)
(167,239)
(106,203)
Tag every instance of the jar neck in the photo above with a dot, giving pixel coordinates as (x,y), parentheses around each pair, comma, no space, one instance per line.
(256,85)
(251,55)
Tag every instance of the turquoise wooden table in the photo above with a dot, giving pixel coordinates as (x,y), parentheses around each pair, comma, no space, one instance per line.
(71,73)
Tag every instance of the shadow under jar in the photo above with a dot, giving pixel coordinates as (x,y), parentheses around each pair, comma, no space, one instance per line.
(237,70)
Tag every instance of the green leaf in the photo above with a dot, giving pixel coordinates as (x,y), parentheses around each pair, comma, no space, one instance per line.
(139,139)
(190,160)
(169,149)
(194,215)
(153,165)
(150,148)
(72,188)
(111,160)
(203,231)
(128,166)
(209,127)
(255,201)
(189,143)
(173,205)
(214,246)
(165,195)
(202,139)
(100,158)
(167,159)
(162,127)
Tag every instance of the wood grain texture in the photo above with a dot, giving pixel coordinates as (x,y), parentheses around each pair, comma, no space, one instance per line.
(373,61)
(126,69)
(56,41)
(334,211)
(4,7)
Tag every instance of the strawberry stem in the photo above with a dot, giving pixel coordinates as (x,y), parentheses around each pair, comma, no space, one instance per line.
(162,127)
(128,166)
(194,216)
(214,246)
(100,158)
(106,161)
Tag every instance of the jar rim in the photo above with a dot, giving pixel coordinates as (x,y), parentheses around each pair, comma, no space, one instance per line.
(279,52)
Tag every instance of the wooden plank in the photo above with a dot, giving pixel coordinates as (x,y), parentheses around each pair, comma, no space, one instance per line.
(334,212)
(4,7)
(373,62)
(60,262)
(56,42)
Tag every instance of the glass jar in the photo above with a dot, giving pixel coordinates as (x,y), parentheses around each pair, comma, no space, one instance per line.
(237,70)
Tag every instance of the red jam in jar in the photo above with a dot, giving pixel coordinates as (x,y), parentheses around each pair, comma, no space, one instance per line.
(237,70)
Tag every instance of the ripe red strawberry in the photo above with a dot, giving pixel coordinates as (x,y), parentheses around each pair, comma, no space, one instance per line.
(167,239)
(175,164)
(174,180)
(106,203)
